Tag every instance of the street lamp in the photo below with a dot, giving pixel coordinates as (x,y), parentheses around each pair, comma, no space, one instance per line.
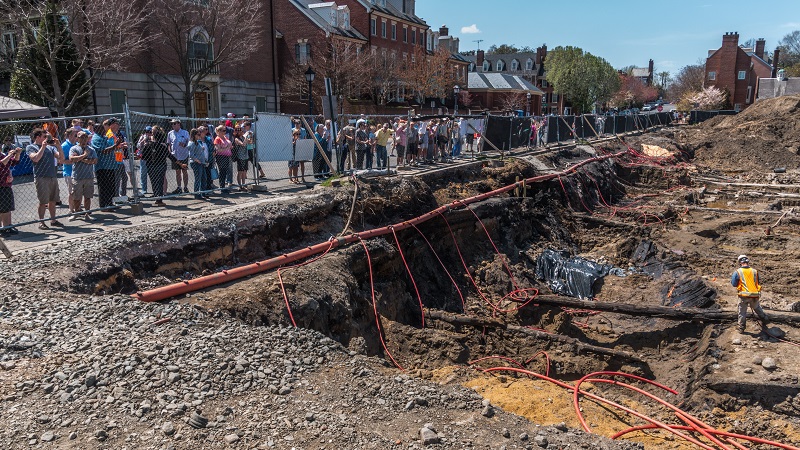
(456,90)
(310,74)
(528,104)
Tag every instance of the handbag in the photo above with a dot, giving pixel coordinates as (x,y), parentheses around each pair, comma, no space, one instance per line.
(214,173)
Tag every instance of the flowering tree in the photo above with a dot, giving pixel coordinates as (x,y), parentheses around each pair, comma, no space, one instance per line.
(707,99)
(633,92)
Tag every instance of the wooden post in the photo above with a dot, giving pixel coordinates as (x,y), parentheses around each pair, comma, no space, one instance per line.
(319,146)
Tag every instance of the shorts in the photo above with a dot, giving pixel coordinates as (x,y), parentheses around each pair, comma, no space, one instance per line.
(83,188)
(400,150)
(470,138)
(241,165)
(6,199)
(293,164)
(412,149)
(180,161)
(46,190)
(68,182)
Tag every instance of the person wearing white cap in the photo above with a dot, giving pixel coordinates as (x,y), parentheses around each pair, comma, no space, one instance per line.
(745,280)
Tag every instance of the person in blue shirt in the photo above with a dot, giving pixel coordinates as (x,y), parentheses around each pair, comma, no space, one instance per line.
(104,142)
(69,140)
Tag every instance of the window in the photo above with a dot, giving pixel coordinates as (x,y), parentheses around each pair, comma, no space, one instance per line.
(302,53)
(394,32)
(514,65)
(712,76)
(373,26)
(429,42)
(261,104)
(405,34)
(742,74)
(501,66)
(8,47)
(544,83)
(486,66)
(749,94)
(529,64)
(555,97)
(117,97)
(413,35)
(199,45)
(383,28)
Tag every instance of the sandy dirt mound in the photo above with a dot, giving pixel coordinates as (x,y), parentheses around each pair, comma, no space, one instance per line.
(764,136)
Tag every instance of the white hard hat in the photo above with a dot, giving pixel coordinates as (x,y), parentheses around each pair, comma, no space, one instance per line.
(742,258)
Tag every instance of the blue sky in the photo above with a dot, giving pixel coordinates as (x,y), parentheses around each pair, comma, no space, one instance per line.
(673,33)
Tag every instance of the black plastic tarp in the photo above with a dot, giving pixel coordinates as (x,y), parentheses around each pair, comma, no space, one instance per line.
(499,129)
(571,276)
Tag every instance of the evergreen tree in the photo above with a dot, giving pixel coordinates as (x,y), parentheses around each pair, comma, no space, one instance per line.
(47,68)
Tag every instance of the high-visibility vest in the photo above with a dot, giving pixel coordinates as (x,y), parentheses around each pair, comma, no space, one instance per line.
(748,282)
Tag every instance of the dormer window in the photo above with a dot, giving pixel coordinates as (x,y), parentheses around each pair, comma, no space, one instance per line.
(529,64)
(472,67)
(501,65)
(514,65)
(486,66)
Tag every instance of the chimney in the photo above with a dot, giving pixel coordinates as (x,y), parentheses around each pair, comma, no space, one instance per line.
(760,43)
(443,31)
(775,59)
(731,39)
(479,60)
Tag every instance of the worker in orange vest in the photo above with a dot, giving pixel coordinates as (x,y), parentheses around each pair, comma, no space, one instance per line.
(745,280)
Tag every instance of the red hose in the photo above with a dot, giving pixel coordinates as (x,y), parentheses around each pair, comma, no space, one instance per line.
(226,276)
(460,295)
(608,402)
(414,283)
(286,269)
(576,393)
(375,309)
(717,432)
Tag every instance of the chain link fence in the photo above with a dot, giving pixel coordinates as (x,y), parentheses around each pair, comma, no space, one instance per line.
(69,168)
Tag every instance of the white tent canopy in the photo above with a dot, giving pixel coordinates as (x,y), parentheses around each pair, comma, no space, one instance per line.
(11,108)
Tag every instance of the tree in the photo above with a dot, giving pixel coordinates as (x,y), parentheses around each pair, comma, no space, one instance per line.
(430,75)
(513,101)
(790,53)
(663,79)
(688,79)
(465,98)
(503,49)
(709,98)
(632,92)
(584,79)
(61,45)
(202,38)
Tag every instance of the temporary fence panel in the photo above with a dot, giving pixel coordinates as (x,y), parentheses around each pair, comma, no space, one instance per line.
(27,190)
(274,133)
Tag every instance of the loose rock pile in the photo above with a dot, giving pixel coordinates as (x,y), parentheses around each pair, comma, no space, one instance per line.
(100,372)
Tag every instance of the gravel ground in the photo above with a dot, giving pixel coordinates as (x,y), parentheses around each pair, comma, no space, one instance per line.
(81,371)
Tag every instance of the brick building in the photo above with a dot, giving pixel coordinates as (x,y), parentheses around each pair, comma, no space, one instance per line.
(149,85)
(530,66)
(644,74)
(736,70)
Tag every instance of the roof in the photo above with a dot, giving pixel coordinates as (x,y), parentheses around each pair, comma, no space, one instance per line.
(507,57)
(390,10)
(458,57)
(640,72)
(496,81)
(11,108)
(322,22)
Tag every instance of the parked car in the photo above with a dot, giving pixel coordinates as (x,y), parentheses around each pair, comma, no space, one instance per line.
(647,108)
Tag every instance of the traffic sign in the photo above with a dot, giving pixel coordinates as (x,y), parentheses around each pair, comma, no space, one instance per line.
(660,108)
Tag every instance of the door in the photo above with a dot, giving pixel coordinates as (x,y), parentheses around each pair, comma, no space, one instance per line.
(117,100)
(201,104)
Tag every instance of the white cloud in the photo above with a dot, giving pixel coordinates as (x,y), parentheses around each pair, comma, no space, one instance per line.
(791,25)
(472,29)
